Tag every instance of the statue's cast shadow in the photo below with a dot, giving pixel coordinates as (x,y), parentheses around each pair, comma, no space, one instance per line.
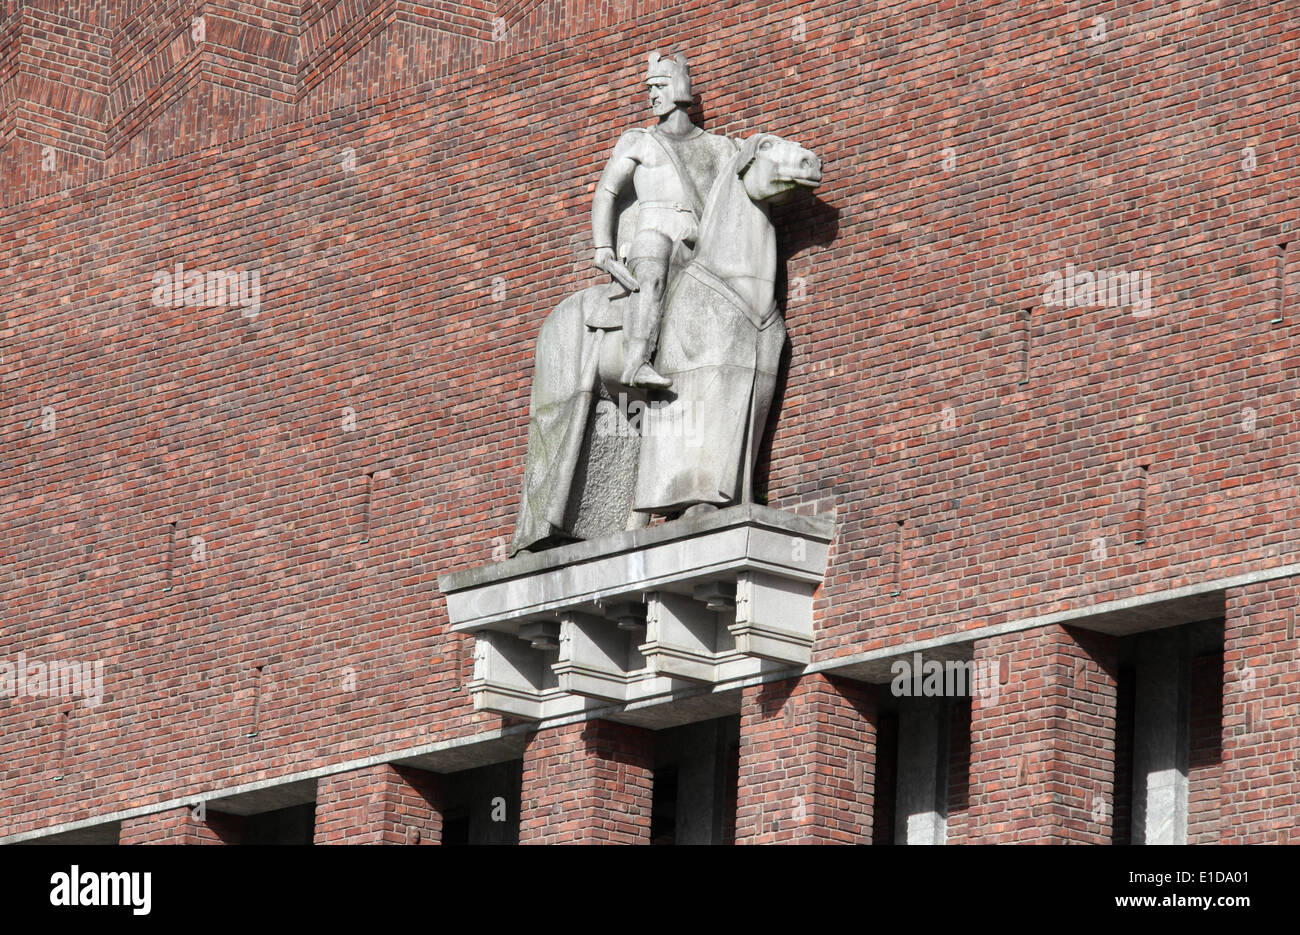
(801,224)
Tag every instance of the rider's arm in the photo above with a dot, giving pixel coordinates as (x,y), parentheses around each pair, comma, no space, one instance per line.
(618,173)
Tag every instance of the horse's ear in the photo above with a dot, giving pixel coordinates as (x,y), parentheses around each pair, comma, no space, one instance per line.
(748,150)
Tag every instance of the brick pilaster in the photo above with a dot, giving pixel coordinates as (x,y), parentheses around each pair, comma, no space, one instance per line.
(179,826)
(383,804)
(587,783)
(807,762)
(1042,759)
(1260,778)
(1205,756)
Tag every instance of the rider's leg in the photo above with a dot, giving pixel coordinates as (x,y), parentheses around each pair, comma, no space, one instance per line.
(642,328)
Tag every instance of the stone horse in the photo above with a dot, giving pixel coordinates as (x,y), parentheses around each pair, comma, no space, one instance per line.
(602,457)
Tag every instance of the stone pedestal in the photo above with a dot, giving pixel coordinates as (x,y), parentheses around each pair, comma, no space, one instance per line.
(921,811)
(1161,728)
(635,616)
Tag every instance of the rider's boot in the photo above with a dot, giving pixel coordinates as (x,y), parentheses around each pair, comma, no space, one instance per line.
(636,367)
(649,378)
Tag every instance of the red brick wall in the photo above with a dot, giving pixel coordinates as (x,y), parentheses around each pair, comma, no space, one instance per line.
(1125,725)
(1042,755)
(587,783)
(383,804)
(1260,784)
(958,827)
(884,786)
(1205,751)
(807,762)
(181,826)
(475,161)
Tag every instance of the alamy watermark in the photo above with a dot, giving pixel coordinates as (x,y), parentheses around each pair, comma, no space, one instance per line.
(1077,287)
(77,887)
(944,678)
(54,678)
(651,419)
(179,288)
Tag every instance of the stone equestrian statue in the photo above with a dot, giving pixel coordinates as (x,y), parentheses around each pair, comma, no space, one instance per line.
(649,391)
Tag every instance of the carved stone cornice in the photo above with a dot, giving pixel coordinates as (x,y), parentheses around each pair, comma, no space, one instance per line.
(636,616)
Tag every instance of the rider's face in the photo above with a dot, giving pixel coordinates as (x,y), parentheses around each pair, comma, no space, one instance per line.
(661,99)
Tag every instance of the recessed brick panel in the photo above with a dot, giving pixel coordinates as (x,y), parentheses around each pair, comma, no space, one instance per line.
(180,826)
(1205,751)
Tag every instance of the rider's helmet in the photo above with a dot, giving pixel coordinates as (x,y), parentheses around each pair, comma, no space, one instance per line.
(675,70)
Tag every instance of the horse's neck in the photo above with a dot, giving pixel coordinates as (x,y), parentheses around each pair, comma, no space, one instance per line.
(737,242)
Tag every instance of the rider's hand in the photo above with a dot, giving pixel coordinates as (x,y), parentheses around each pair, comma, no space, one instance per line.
(603,254)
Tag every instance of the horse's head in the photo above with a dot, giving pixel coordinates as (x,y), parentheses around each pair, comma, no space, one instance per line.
(773,169)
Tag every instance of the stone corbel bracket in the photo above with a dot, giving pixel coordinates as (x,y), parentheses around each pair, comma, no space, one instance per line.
(636,616)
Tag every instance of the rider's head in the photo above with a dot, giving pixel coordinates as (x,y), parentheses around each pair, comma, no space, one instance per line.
(669,83)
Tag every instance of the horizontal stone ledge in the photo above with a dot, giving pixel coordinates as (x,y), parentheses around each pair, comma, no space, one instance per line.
(1120,617)
(673,556)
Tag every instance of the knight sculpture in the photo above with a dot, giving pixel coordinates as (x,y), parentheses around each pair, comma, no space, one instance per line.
(667,167)
(651,391)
